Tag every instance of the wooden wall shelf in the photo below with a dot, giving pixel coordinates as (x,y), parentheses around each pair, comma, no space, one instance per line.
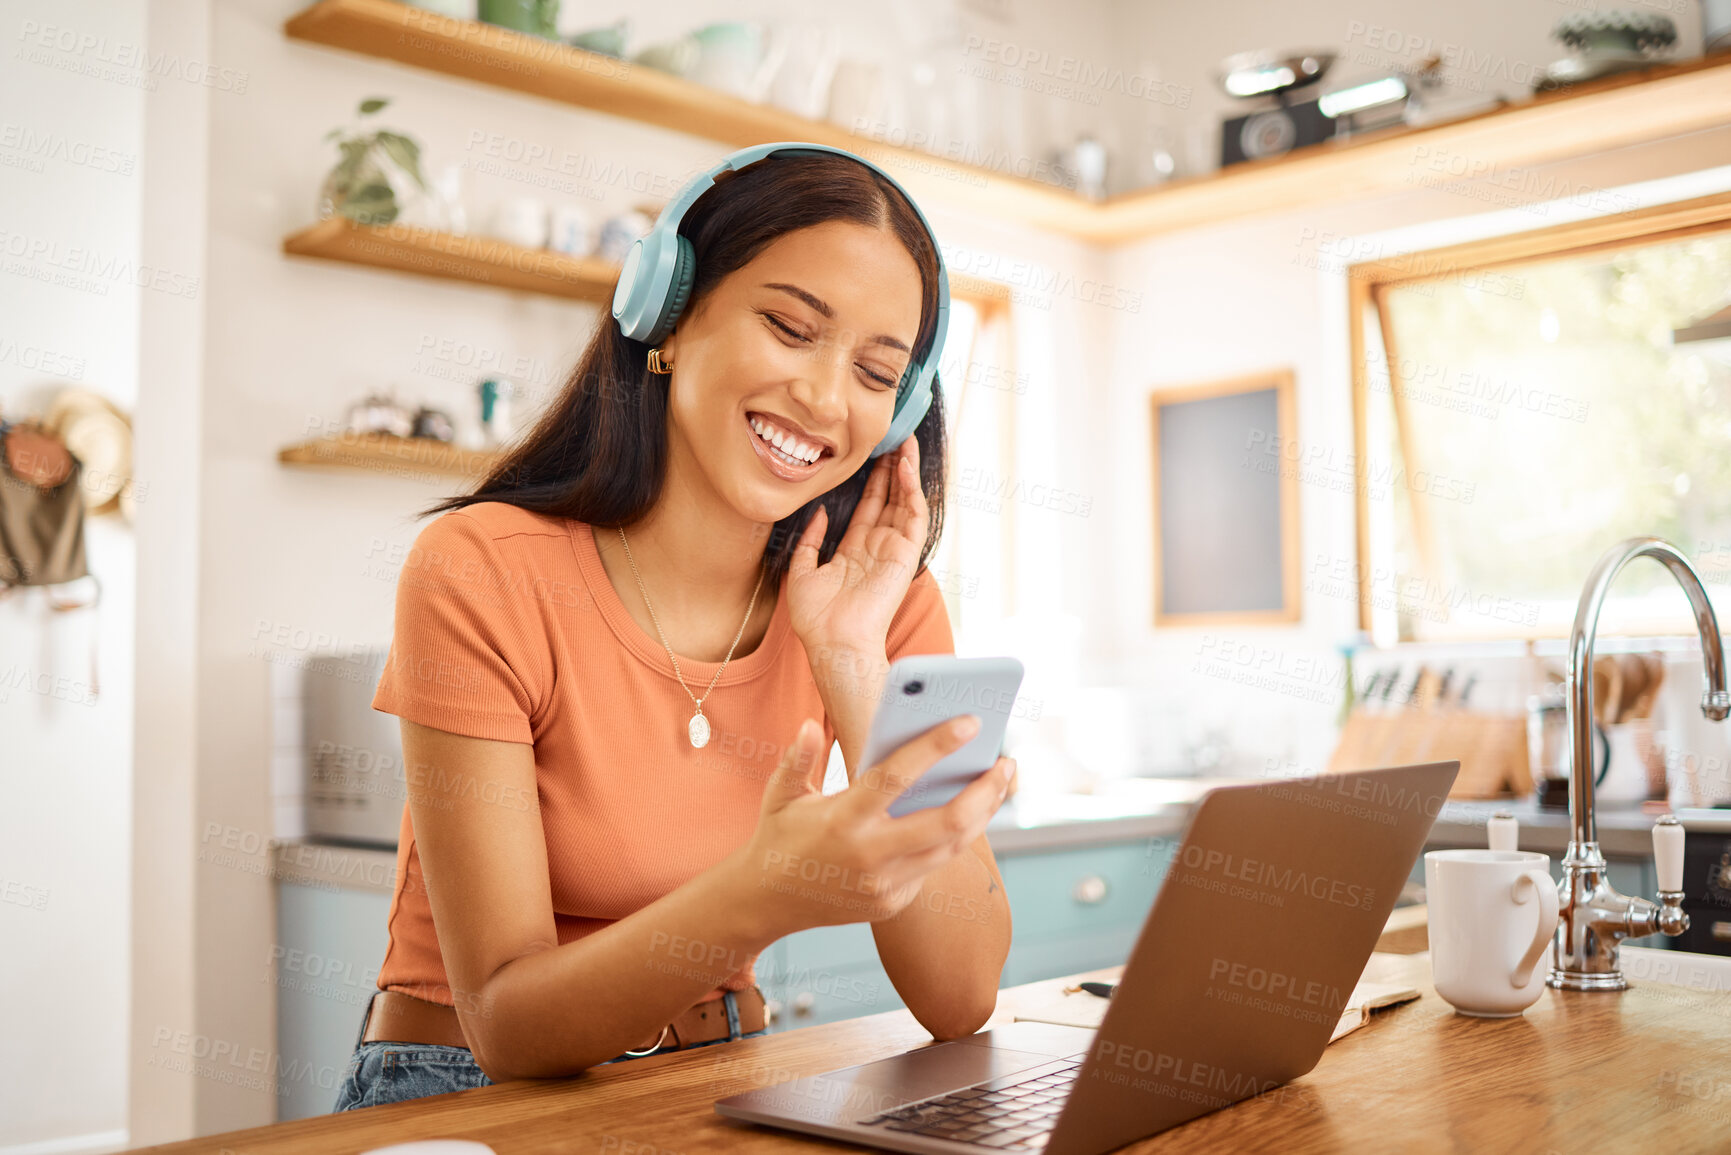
(1499,148)
(418,457)
(502,265)
(1662,101)
(505,59)
(476,259)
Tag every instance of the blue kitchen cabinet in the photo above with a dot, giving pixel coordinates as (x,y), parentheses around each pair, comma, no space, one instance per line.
(1073,909)
(330,942)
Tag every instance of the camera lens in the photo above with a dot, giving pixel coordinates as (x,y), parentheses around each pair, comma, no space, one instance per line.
(913,687)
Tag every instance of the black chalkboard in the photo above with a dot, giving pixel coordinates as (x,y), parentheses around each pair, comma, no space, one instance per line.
(1225,503)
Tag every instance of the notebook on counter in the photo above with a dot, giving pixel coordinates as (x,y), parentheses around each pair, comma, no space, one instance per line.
(1074,1007)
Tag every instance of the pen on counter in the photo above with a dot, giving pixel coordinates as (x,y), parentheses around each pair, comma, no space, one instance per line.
(1104,990)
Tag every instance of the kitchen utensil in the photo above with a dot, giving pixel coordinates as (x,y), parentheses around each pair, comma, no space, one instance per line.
(1271,73)
(1421,724)
(618,233)
(534,17)
(522,221)
(572,231)
(1636,767)
(1548,747)
(444,208)
(1604,43)
(456,9)
(496,426)
(858,96)
(1291,123)
(737,57)
(379,413)
(1643,704)
(1607,688)
(1484,945)
(1715,25)
(609,40)
(677,56)
(928,107)
(434,423)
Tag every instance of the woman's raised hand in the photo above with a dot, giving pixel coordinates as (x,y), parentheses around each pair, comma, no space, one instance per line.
(850,599)
(817,860)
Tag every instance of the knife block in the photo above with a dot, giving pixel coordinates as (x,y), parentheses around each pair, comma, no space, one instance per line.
(1491,747)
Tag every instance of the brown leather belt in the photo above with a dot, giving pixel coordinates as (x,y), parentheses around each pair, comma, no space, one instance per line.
(400,1018)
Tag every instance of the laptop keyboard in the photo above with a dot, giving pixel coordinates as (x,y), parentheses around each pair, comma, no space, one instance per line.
(1017,1117)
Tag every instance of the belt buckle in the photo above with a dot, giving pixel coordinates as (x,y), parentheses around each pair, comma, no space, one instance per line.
(662,1038)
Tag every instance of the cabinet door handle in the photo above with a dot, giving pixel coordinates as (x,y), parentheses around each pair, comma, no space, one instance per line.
(1089,890)
(803,1003)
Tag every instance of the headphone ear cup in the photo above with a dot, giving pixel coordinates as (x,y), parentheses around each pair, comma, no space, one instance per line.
(679,291)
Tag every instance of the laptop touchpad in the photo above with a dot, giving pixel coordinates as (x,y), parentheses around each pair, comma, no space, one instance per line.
(864,1091)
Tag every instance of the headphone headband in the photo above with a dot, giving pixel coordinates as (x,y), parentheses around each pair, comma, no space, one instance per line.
(655,281)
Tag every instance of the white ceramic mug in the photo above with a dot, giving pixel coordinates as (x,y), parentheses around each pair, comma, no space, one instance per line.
(573,232)
(522,221)
(1485,946)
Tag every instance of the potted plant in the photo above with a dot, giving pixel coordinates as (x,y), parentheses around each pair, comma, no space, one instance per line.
(376,173)
(535,17)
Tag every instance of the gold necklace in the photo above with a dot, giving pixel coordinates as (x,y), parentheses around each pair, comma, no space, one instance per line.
(698,728)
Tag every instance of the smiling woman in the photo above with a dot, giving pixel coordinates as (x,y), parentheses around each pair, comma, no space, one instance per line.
(616,781)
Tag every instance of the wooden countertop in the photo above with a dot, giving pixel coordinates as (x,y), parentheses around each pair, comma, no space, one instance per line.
(1643,1069)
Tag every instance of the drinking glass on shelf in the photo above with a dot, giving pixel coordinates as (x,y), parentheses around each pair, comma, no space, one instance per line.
(801,84)
(859,97)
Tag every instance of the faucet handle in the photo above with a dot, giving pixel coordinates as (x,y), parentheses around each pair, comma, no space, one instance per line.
(1502,831)
(1668,853)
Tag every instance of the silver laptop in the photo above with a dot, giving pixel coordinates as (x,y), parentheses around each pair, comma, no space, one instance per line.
(1270,908)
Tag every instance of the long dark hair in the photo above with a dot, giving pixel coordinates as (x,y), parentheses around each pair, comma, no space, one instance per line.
(599,452)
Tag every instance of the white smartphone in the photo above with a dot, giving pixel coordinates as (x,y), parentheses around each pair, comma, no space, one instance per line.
(925,689)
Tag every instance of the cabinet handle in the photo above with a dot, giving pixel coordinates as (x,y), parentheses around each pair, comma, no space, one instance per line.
(803,1002)
(1089,890)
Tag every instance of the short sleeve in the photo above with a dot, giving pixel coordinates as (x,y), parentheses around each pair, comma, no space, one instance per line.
(922,624)
(466,656)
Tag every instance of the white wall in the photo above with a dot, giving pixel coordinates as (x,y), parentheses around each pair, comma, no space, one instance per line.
(70,143)
(1487,48)
(290,561)
(1235,299)
(245,567)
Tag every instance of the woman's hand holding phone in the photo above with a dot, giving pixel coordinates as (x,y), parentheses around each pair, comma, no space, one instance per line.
(819,860)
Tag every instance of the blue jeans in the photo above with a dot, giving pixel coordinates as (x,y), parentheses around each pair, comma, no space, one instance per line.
(386,1072)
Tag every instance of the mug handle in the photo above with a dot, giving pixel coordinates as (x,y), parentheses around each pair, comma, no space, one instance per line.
(1538,882)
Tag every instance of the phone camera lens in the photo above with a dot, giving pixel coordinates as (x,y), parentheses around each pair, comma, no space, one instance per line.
(913,687)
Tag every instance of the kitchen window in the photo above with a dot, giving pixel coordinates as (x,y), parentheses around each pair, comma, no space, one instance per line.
(1524,403)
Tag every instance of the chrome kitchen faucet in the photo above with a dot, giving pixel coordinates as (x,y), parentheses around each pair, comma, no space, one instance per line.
(1592,917)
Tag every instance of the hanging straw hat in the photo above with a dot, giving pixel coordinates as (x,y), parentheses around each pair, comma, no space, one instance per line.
(100,436)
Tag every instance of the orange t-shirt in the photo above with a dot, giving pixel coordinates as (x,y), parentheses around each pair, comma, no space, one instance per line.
(508,628)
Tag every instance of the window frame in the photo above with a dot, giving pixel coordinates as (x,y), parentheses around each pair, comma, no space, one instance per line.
(1369,282)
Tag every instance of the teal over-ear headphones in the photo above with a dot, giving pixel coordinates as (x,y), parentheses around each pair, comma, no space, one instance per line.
(655,282)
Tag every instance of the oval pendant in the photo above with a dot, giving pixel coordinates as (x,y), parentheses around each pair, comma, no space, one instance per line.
(699,730)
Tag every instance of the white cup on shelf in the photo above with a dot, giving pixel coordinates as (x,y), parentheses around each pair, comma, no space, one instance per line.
(1491,916)
(522,221)
(573,230)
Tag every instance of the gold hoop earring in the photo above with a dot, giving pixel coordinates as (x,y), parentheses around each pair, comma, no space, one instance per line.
(656,364)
